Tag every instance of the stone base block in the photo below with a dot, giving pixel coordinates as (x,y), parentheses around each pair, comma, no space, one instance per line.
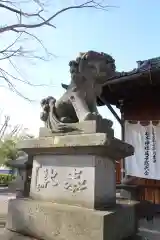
(10,235)
(44,220)
(101,126)
(91,144)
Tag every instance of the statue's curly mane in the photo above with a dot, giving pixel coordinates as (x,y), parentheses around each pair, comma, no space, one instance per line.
(90,56)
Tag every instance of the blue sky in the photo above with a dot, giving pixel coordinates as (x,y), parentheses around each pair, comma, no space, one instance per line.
(129,32)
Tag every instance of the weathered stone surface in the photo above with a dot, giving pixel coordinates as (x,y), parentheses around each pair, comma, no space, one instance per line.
(51,221)
(66,141)
(85,127)
(88,73)
(97,143)
(87,181)
(10,235)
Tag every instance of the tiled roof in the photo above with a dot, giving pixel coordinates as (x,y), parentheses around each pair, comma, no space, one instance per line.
(125,84)
(142,66)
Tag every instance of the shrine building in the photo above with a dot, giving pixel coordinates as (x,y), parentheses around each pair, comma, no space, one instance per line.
(137,95)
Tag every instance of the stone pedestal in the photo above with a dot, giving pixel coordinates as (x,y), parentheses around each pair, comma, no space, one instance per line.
(86,180)
(77,170)
(73,190)
(50,221)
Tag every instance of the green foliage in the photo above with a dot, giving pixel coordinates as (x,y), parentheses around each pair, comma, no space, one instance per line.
(7,150)
(5,179)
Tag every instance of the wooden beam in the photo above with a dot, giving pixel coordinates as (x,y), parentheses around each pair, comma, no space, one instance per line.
(114,113)
(112,110)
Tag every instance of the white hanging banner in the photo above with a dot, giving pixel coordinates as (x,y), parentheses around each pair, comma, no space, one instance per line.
(145,163)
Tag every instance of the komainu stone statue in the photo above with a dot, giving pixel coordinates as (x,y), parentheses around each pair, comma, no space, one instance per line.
(88,73)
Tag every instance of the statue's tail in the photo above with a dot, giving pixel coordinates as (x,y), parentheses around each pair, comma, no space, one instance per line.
(49,115)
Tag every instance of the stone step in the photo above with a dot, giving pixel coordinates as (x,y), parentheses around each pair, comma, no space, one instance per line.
(149,234)
(10,235)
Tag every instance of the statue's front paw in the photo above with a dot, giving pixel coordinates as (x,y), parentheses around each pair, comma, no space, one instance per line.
(110,123)
(93,116)
(90,116)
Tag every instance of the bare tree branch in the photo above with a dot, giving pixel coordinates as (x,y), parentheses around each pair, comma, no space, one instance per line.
(13,88)
(26,21)
(11,45)
(7,75)
(88,4)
